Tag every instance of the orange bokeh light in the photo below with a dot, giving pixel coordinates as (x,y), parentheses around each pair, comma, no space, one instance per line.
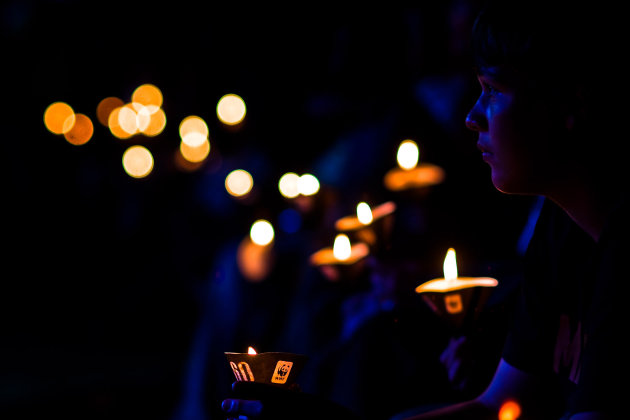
(195,154)
(156,124)
(105,107)
(510,410)
(82,130)
(148,95)
(59,118)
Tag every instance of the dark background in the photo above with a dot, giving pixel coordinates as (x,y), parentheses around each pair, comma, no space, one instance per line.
(103,273)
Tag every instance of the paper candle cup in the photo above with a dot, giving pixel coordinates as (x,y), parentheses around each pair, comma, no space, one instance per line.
(335,269)
(273,368)
(422,176)
(460,304)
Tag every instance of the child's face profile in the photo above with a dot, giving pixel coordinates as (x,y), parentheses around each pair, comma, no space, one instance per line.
(515,129)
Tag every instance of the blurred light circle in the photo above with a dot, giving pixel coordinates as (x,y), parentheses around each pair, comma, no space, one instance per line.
(156,125)
(193,124)
(261,232)
(288,185)
(105,108)
(197,153)
(148,95)
(128,119)
(81,132)
(231,109)
(59,118)
(114,125)
(194,139)
(239,182)
(308,184)
(137,161)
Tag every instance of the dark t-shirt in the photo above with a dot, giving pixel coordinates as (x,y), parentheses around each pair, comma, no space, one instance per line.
(572,317)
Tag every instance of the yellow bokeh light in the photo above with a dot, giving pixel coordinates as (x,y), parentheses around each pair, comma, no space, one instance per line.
(288,185)
(148,95)
(137,161)
(105,108)
(408,154)
(308,184)
(231,109)
(195,154)
(261,232)
(239,182)
(143,116)
(193,124)
(128,119)
(194,139)
(82,130)
(59,118)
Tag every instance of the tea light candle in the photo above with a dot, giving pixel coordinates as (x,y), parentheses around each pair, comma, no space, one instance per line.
(455,297)
(452,281)
(409,174)
(342,252)
(365,216)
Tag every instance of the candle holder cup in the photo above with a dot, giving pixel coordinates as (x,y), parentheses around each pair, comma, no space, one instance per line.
(273,368)
(459,308)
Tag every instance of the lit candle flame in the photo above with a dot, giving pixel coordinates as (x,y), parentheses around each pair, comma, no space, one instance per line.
(408,154)
(250,350)
(341,248)
(450,265)
(364,213)
(510,410)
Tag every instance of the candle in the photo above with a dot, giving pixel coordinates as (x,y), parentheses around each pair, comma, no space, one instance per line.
(342,252)
(409,174)
(365,216)
(453,296)
(275,368)
(452,281)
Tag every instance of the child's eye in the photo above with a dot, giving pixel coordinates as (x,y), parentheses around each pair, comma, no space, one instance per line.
(489,89)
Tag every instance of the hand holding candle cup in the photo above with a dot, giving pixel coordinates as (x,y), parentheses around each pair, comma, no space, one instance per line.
(456,299)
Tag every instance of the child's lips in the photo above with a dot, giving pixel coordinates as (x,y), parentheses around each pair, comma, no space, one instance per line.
(486,154)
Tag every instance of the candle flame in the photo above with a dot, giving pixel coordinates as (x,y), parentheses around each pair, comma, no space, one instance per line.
(408,154)
(341,248)
(250,350)
(364,213)
(450,265)
(510,410)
